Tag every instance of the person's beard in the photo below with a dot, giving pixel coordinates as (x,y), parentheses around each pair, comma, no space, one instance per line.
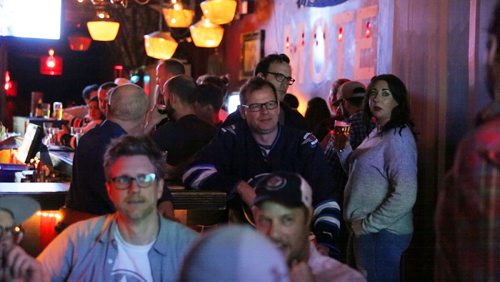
(168,111)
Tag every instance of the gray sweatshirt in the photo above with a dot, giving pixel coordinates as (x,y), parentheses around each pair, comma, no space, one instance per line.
(382,185)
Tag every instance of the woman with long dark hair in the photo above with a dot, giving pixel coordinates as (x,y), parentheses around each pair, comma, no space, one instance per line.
(382,185)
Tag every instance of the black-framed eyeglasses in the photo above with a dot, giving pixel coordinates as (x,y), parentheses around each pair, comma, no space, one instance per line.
(16,231)
(255,107)
(280,77)
(123,182)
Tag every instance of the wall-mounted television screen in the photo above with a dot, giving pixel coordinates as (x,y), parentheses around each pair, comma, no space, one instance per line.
(30,18)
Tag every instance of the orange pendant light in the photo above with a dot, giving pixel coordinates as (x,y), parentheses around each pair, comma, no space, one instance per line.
(219,11)
(177,16)
(160,45)
(206,34)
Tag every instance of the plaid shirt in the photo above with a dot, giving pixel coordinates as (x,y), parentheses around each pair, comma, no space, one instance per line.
(468,210)
(359,130)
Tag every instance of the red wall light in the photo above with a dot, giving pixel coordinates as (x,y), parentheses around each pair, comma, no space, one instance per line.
(79,42)
(51,65)
(10,86)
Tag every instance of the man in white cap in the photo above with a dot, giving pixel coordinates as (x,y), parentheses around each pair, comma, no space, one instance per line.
(283,212)
(14,262)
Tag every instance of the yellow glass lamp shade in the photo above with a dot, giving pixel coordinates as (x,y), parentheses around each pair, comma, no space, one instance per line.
(102,30)
(160,45)
(219,11)
(177,16)
(206,34)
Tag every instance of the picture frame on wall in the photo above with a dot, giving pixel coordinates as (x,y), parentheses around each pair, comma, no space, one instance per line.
(252,50)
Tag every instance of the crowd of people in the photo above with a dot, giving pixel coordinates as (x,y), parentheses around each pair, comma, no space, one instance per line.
(301,208)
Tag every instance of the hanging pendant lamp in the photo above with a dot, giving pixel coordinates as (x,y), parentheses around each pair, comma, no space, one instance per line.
(177,16)
(160,45)
(206,34)
(219,11)
(103,28)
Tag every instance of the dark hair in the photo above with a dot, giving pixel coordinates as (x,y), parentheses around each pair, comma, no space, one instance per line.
(317,111)
(291,100)
(400,115)
(184,87)
(253,84)
(129,145)
(89,89)
(209,94)
(173,66)
(356,101)
(263,65)
(220,81)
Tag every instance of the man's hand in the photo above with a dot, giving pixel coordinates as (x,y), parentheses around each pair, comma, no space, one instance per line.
(18,265)
(153,117)
(301,272)
(357,227)
(246,192)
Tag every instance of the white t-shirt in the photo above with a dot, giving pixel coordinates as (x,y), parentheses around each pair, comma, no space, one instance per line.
(132,262)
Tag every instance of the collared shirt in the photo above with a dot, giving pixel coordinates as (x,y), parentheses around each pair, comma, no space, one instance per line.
(468,209)
(328,269)
(87,250)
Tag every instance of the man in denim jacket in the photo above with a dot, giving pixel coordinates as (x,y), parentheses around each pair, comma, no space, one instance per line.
(133,243)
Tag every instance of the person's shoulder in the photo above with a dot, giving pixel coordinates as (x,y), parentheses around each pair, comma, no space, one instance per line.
(305,138)
(174,230)
(232,118)
(86,228)
(230,130)
(488,132)
(325,268)
(484,141)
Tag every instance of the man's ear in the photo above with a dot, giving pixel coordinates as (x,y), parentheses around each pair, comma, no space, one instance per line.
(260,74)
(242,112)
(161,182)
(108,187)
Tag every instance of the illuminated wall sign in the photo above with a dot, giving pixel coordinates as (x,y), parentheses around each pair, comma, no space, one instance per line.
(320,47)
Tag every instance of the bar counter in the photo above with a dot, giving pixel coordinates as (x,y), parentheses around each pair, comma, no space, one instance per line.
(51,195)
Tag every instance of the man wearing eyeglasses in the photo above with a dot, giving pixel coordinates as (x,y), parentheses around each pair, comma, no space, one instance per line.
(133,244)
(15,264)
(276,69)
(259,145)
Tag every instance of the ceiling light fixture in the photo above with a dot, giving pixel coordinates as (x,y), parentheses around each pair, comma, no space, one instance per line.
(206,34)
(159,44)
(219,11)
(103,28)
(176,16)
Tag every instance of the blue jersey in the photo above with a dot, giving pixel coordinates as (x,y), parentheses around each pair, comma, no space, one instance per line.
(234,156)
